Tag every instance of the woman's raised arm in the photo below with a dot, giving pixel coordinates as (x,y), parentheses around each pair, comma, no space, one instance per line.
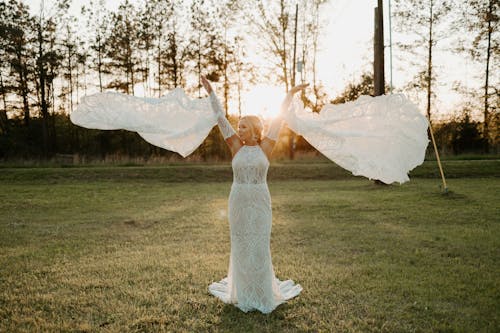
(230,136)
(270,138)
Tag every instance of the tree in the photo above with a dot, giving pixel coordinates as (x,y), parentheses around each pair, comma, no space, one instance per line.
(70,54)
(467,137)
(145,39)
(47,61)
(160,14)
(173,57)
(4,121)
(202,41)
(97,20)
(480,20)
(272,22)
(354,90)
(242,70)
(230,11)
(16,36)
(5,87)
(122,48)
(422,19)
(311,28)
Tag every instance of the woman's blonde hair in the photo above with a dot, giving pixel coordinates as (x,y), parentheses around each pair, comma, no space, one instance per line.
(255,125)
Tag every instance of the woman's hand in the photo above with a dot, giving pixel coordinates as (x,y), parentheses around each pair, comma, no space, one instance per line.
(289,97)
(298,88)
(206,85)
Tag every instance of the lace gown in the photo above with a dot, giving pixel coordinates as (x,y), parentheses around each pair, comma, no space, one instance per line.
(251,283)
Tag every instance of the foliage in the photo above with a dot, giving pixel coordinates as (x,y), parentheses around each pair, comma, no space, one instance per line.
(422,19)
(480,19)
(462,135)
(355,89)
(50,59)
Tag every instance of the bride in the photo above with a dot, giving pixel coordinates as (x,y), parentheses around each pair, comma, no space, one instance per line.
(381,137)
(251,283)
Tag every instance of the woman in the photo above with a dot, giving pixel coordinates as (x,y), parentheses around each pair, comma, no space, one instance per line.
(251,283)
(379,137)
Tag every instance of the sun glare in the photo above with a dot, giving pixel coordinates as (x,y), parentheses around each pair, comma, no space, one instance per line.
(263,100)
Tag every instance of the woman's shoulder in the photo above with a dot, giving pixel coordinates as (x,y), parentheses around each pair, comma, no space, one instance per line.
(267,146)
(234,143)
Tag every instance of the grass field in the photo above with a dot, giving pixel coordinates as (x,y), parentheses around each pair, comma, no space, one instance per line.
(133,249)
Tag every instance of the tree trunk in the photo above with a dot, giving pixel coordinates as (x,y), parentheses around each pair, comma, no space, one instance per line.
(146,86)
(295,45)
(176,67)
(52,117)
(486,133)
(70,78)
(23,78)
(43,97)
(199,63)
(26,106)
(292,139)
(315,54)
(158,62)
(132,72)
(4,122)
(226,79)
(283,35)
(99,60)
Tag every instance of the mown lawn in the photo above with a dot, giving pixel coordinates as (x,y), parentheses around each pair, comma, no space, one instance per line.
(134,249)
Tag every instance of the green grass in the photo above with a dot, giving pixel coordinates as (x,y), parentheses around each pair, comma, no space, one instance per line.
(134,249)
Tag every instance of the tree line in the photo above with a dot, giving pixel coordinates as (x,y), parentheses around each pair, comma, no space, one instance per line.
(50,59)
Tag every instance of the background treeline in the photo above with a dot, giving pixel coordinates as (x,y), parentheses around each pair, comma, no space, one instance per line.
(50,59)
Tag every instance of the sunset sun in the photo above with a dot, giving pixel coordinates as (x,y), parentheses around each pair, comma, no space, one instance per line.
(263,100)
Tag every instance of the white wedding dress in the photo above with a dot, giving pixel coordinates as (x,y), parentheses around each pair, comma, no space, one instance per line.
(174,121)
(380,138)
(251,283)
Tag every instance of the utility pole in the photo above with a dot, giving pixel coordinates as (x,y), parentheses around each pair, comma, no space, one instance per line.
(378,50)
(378,57)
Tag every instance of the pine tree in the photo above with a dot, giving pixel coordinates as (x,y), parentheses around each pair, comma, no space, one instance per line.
(272,22)
(70,54)
(171,49)
(199,44)
(147,15)
(16,36)
(97,21)
(478,23)
(422,19)
(122,48)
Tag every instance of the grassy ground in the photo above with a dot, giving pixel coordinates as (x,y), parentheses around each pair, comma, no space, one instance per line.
(130,249)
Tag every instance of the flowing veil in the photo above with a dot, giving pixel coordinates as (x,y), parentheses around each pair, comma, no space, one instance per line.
(381,137)
(173,122)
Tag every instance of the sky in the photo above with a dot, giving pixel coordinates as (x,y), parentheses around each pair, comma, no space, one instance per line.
(345,52)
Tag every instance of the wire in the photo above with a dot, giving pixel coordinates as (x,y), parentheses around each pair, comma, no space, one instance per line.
(390,46)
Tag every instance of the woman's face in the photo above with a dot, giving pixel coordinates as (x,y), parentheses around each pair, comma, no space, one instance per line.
(245,131)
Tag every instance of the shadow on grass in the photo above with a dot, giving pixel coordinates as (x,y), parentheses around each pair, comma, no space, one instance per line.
(235,320)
